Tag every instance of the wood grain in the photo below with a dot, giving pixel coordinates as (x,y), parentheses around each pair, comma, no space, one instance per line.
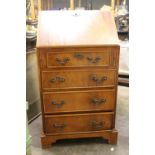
(79,101)
(78,57)
(77,78)
(77,93)
(78,27)
(110,135)
(72,123)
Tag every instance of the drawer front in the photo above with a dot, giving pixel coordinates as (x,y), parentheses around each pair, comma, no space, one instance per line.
(78,123)
(56,102)
(78,57)
(77,78)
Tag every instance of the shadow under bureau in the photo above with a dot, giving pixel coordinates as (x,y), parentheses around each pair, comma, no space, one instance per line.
(78,81)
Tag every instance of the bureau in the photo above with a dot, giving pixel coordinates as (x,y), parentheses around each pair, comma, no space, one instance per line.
(78,58)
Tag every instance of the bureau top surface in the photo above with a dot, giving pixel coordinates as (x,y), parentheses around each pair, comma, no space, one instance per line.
(76,28)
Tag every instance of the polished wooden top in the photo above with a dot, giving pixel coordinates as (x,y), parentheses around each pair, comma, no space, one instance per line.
(76,28)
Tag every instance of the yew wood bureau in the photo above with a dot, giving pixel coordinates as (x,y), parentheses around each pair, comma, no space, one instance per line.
(78,58)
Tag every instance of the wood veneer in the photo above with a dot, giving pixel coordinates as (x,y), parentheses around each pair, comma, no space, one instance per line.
(92,100)
(78,72)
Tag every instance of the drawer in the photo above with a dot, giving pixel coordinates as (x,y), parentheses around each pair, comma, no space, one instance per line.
(78,57)
(78,123)
(75,101)
(78,78)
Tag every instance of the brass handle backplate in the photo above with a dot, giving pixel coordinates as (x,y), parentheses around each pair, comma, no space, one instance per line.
(90,59)
(98,80)
(57,125)
(58,104)
(57,79)
(78,55)
(94,60)
(97,101)
(96,124)
(62,61)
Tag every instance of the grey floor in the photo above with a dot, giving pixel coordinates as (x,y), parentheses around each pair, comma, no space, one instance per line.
(93,146)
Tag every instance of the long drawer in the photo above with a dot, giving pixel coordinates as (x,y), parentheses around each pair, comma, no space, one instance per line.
(78,57)
(77,101)
(78,78)
(78,122)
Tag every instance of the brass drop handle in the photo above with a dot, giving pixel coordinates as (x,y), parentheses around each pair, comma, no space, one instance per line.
(78,56)
(97,101)
(94,60)
(57,79)
(57,125)
(98,80)
(62,61)
(96,124)
(58,104)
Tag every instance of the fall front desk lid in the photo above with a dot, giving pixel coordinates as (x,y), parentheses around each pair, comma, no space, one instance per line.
(76,28)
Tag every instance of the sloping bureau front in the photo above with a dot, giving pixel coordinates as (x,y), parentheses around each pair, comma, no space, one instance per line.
(78,72)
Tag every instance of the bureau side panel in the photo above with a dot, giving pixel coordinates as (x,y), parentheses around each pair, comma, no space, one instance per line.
(39,60)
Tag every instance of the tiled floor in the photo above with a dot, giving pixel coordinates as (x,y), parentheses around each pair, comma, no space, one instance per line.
(93,146)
